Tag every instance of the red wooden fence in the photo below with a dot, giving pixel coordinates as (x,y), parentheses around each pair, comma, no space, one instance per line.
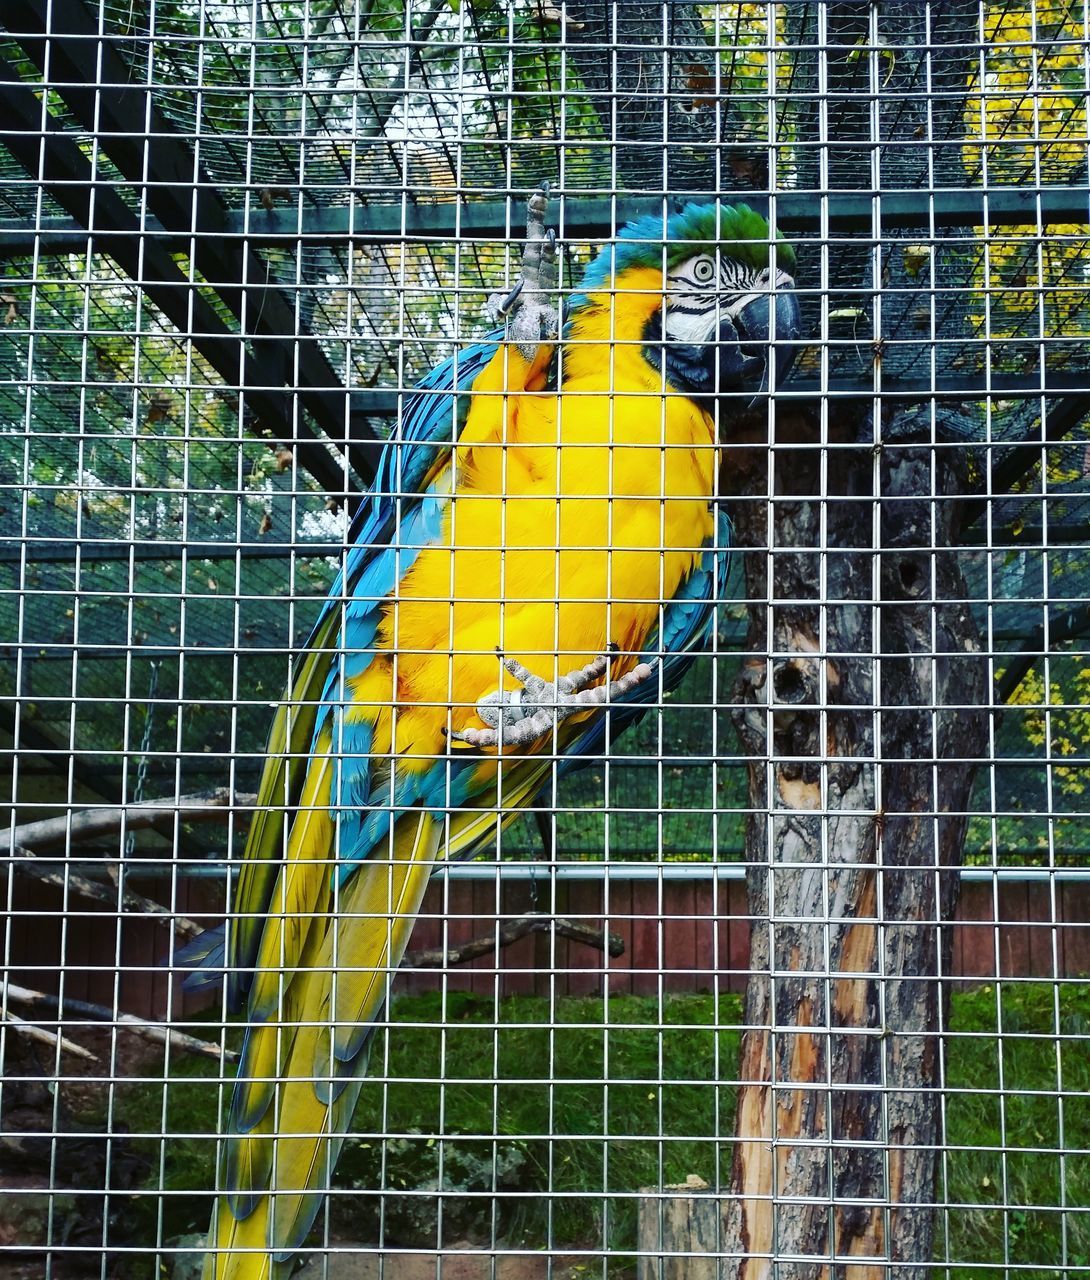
(679,935)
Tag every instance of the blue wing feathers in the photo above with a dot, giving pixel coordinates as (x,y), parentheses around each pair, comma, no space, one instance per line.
(350,794)
(385,536)
(432,420)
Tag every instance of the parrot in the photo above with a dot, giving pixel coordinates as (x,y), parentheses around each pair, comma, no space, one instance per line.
(536,562)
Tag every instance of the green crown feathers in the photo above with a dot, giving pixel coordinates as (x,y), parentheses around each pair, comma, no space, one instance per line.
(743,234)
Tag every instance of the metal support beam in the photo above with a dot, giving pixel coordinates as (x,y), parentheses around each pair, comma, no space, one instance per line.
(51,154)
(58,758)
(1015,460)
(582,217)
(1061,629)
(62,38)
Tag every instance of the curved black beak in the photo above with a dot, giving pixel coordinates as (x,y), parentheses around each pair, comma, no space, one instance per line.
(771,321)
(737,356)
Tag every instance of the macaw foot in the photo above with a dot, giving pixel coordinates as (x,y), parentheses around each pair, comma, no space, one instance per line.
(529,309)
(516,717)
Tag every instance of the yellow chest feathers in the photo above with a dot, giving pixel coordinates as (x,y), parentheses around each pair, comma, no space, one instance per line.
(573,518)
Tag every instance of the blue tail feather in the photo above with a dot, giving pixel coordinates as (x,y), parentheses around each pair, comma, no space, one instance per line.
(206,955)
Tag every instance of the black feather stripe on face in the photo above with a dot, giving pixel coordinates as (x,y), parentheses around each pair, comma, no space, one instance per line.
(701,289)
(703,338)
(728,276)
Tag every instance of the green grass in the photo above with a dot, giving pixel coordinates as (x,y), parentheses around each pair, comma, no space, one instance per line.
(527,1106)
(1014,1104)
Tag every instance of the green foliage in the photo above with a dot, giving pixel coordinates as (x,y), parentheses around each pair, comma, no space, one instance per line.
(1058,721)
(1040,768)
(122,435)
(1030,108)
(495,1073)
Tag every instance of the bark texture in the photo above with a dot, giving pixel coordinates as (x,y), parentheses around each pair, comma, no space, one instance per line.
(859,708)
(893,113)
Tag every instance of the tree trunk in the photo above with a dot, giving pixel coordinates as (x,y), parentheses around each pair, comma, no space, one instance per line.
(862,649)
(849,712)
(894,77)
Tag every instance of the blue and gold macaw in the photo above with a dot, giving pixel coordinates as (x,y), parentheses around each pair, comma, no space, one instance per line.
(537,561)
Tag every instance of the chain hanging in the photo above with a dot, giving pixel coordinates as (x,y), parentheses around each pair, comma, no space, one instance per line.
(145,747)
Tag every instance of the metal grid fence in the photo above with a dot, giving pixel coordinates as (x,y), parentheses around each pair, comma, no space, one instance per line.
(788,979)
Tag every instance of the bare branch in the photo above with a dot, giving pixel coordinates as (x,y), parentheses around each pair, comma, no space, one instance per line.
(213,806)
(73,882)
(25,842)
(154,1031)
(51,1038)
(509,932)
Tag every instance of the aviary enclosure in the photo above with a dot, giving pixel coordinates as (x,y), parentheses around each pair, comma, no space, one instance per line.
(788,980)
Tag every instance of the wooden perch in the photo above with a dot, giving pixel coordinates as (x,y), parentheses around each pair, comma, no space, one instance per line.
(26,842)
(47,1037)
(154,1031)
(70,828)
(509,932)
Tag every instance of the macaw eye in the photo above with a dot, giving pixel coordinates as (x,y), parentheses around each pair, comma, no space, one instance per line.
(703,270)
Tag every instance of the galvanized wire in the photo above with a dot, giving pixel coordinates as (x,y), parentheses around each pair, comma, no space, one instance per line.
(342,185)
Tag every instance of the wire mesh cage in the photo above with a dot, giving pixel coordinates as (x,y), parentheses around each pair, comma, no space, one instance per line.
(759,949)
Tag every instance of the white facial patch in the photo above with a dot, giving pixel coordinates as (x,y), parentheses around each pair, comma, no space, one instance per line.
(701,292)
(691,326)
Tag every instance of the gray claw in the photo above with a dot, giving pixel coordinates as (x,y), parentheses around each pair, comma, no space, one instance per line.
(517,717)
(529,310)
(504,309)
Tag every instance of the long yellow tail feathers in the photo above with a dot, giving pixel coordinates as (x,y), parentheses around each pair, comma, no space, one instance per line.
(302,890)
(390,897)
(298,908)
(239,1250)
(247,1164)
(304,1072)
(286,766)
(263,1051)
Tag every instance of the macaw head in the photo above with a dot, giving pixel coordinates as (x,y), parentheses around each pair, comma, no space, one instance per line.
(727,296)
